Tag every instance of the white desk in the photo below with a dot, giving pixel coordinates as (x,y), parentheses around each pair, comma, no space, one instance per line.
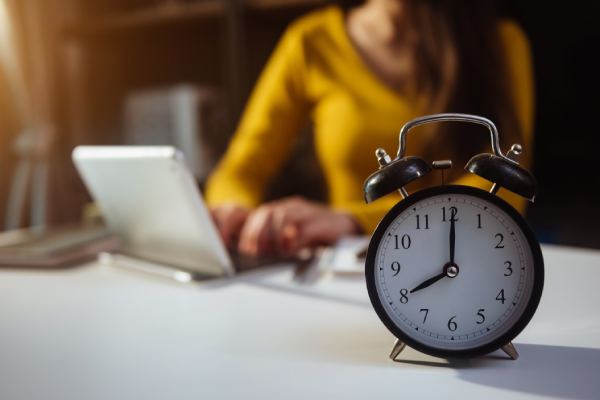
(97,332)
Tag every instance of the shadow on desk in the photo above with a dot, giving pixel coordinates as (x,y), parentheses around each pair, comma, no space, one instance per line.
(557,371)
(544,370)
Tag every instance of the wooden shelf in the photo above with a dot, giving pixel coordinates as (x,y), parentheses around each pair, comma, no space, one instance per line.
(169,13)
(158,15)
(280,4)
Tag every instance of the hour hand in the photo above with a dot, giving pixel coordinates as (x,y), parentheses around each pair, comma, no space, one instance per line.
(429,282)
(450,270)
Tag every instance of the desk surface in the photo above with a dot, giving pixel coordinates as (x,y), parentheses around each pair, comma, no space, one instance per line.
(98,332)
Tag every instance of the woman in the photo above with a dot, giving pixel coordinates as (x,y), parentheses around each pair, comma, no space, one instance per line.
(360,73)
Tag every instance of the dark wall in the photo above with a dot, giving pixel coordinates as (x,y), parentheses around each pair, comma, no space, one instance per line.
(565,39)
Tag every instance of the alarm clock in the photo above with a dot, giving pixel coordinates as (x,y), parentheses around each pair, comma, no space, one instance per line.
(452,270)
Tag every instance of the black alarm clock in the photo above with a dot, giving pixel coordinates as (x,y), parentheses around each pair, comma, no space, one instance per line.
(453,271)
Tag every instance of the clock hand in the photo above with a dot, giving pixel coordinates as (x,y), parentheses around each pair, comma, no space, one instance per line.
(450,270)
(429,282)
(452,239)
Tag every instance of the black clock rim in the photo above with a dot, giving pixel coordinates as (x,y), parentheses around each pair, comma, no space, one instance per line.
(538,268)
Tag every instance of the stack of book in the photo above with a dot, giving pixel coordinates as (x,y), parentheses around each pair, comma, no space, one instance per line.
(54,248)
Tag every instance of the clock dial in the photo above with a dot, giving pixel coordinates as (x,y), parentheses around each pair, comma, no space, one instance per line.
(454,270)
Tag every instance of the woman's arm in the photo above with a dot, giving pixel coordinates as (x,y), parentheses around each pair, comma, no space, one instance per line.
(277,109)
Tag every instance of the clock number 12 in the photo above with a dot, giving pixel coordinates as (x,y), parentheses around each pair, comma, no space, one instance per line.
(453,212)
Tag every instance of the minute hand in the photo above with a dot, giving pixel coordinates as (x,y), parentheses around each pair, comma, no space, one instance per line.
(452,239)
(429,282)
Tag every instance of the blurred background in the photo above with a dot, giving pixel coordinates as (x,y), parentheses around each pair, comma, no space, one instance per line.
(179,72)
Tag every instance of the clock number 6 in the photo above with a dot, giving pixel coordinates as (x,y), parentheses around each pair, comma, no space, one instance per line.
(452,326)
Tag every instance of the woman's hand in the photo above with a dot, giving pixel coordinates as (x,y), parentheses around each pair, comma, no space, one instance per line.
(286,226)
(230,219)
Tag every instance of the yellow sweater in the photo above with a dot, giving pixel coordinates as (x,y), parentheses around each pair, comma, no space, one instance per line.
(316,72)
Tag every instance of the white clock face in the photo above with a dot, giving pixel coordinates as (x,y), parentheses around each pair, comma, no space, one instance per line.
(460,298)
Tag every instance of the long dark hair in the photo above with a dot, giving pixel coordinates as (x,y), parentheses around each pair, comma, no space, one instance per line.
(461,67)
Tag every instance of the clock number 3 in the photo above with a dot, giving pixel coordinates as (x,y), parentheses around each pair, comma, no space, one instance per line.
(509,269)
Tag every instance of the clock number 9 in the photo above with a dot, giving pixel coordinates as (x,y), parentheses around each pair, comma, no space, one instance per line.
(396,267)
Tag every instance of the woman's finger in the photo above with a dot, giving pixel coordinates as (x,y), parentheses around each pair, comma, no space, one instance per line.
(256,235)
(229,221)
(325,229)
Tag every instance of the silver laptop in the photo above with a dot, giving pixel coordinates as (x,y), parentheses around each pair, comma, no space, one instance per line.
(149,198)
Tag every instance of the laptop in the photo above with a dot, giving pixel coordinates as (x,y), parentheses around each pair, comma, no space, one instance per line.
(150,199)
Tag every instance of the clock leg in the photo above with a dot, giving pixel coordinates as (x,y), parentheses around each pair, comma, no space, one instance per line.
(397,349)
(510,350)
